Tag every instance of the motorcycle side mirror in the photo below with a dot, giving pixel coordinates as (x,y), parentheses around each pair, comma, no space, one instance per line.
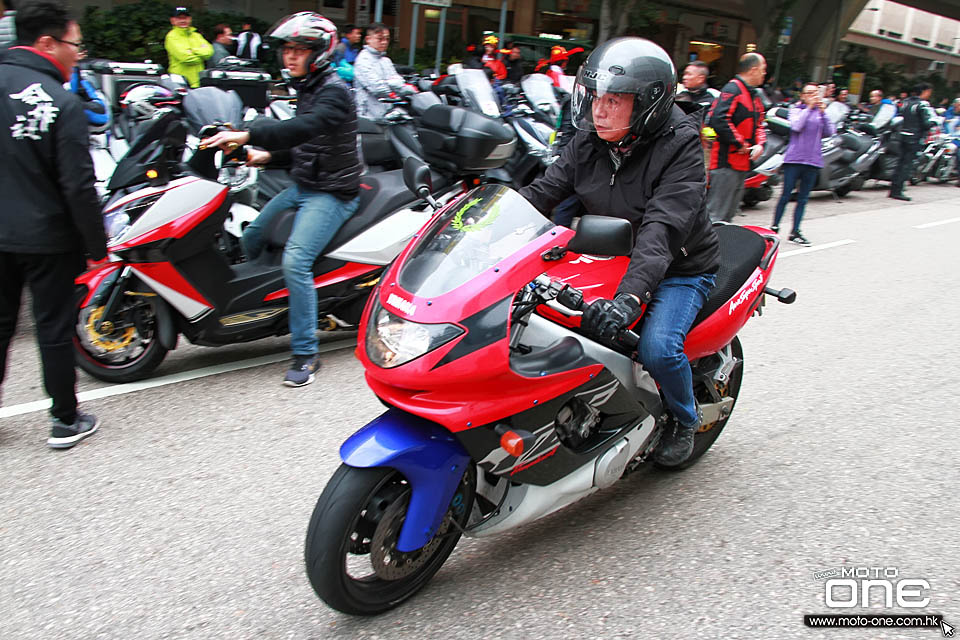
(416,175)
(603,236)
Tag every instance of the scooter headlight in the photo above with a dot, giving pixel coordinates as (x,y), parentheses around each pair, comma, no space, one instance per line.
(392,341)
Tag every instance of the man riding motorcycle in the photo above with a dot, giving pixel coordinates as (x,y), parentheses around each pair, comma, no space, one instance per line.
(320,147)
(637,156)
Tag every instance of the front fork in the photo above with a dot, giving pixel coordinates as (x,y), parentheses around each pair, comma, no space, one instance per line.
(113,301)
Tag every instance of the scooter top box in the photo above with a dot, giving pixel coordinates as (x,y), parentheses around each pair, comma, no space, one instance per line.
(252,85)
(117,77)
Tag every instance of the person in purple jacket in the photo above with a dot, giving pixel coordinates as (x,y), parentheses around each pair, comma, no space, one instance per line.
(803,159)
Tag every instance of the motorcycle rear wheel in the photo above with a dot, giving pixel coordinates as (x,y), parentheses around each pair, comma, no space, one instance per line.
(351,556)
(708,434)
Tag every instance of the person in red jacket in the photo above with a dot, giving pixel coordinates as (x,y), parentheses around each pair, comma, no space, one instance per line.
(738,120)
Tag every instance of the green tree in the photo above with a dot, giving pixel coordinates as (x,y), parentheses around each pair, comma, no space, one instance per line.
(135,32)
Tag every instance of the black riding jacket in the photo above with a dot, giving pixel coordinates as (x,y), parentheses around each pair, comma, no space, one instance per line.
(659,188)
(320,143)
(50,204)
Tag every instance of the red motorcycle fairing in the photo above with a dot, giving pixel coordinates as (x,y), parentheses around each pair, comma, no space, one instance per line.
(94,277)
(179,224)
(166,280)
(432,386)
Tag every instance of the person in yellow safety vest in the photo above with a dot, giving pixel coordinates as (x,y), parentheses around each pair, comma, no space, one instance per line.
(186,48)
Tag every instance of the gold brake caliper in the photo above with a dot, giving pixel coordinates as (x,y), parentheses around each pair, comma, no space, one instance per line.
(107,340)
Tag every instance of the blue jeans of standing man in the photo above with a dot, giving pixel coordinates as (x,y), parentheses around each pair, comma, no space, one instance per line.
(319,216)
(793,173)
(663,331)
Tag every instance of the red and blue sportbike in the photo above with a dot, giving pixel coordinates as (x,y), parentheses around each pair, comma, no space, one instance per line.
(501,410)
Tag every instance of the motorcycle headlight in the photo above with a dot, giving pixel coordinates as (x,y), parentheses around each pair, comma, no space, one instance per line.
(392,341)
(116,223)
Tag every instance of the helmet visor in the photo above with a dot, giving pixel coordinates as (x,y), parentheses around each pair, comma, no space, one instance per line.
(609,114)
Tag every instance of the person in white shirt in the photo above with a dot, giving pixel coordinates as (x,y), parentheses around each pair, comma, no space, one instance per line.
(374,76)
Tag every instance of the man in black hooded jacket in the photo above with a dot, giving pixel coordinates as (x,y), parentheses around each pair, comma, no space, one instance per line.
(638,157)
(51,214)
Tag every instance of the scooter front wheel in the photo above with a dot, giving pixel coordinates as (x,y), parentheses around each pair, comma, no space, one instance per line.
(352,560)
(125,349)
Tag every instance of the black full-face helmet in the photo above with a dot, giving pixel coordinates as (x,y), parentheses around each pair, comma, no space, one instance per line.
(633,66)
(308,29)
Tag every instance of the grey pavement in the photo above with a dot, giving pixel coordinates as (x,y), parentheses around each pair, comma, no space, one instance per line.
(185,516)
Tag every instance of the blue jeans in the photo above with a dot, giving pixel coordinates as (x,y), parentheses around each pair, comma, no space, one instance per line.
(806,175)
(665,324)
(319,216)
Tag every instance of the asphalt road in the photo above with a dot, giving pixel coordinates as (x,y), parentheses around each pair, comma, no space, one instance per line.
(184,517)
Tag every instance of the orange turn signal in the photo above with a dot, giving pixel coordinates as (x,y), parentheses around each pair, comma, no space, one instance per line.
(512,443)
(152,174)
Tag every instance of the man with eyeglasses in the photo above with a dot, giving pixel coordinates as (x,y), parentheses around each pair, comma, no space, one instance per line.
(186,48)
(51,214)
(374,76)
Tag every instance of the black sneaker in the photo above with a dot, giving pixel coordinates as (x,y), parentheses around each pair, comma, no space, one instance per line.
(302,370)
(797,238)
(64,436)
(900,196)
(677,443)
(775,228)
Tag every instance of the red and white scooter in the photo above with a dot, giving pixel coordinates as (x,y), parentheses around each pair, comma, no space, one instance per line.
(165,276)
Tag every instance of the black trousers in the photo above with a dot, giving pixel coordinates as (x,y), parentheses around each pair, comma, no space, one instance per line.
(908,154)
(50,278)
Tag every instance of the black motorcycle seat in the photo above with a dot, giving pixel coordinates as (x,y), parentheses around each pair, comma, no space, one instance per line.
(741,251)
(380,195)
(856,143)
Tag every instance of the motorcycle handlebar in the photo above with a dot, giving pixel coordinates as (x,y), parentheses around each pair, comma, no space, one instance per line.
(573,299)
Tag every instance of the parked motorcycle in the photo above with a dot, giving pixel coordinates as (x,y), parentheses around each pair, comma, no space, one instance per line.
(500,410)
(165,276)
(764,174)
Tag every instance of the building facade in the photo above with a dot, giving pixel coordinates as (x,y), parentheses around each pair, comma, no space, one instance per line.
(920,41)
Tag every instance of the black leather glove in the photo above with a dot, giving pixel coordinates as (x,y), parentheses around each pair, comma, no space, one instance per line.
(606,318)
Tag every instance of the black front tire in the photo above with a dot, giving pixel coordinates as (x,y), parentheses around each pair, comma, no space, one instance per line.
(345,525)
(137,367)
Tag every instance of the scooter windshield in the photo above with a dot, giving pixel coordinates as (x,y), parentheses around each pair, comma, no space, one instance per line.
(487,225)
(476,89)
(538,90)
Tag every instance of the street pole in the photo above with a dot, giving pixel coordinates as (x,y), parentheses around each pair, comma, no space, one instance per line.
(413,32)
(378,12)
(503,20)
(776,73)
(440,34)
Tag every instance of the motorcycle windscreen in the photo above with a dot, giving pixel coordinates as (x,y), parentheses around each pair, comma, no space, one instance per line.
(476,89)
(538,90)
(487,225)
(210,105)
(158,140)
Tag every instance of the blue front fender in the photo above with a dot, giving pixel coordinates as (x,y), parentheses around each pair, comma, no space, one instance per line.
(427,455)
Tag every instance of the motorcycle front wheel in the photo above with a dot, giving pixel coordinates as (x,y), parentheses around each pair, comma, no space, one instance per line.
(125,349)
(351,556)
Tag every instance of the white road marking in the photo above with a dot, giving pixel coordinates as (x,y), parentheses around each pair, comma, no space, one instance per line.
(936,224)
(183,376)
(819,247)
